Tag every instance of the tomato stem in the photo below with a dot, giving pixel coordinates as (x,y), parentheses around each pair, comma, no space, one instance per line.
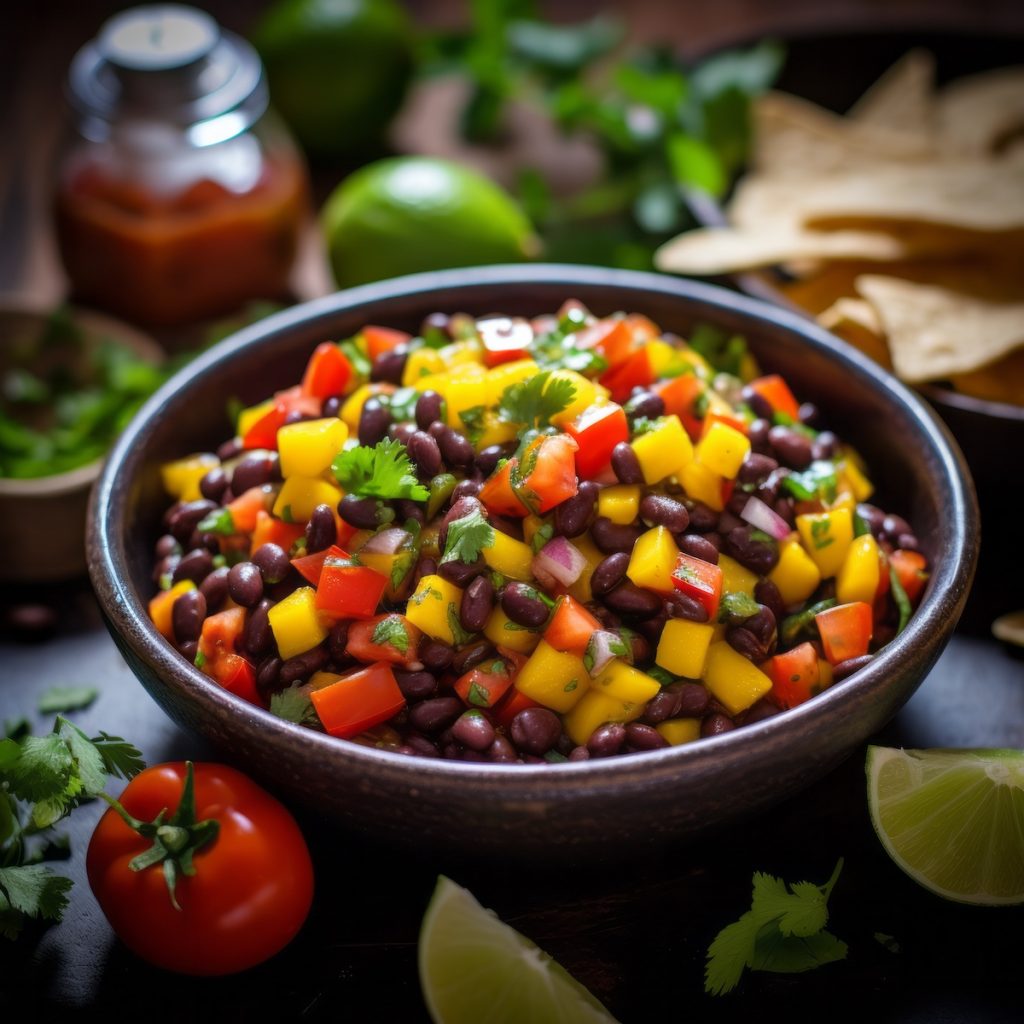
(175,841)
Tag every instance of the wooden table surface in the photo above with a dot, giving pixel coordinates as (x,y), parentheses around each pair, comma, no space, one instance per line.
(635,932)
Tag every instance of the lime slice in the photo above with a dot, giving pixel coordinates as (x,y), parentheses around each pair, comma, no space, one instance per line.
(474,969)
(952,819)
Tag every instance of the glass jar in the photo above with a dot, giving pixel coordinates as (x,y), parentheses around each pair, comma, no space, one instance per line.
(179,197)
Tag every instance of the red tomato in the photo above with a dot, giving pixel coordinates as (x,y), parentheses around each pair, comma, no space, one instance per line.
(327,373)
(358,701)
(795,675)
(845,631)
(553,477)
(701,580)
(597,431)
(347,590)
(571,627)
(252,885)
(361,644)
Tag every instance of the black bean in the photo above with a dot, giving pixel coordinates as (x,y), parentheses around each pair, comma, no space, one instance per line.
(644,403)
(808,414)
(302,666)
(729,521)
(258,637)
(522,605)
(659,510)
(195,566)
(661,706)
(421,746)
(416,685)
(189,649)
(331,406)
(573,515)
(629,599)
(254,471)
(186,516)
(848,667)
(825,445)
(501,751)
(424,451)
(461,573)
(229,449)
(693,700)
(477,604)
(792,448)
(437,429)
(465,489)
(757,434)
(626,465)
(607,618)
(487,460)
(435,323)
(389,366)
(215,589)
(609,536)
(703,518)
(406,508)
(272,561)
(684,606)
(428,408)
(436,714)
(716,724)
(337,641)
(459,509)
(756,555)
(873,516)
(535,730)
(508,525)
(321,530)
(473,730)
(759,405)
(297,416)
(756,468)
(436,655)
(363,513)
(203,539)
(767,593)
(651,627)
(167,545)
(640,648)
(268,675)
(741,640)
(187,615)
(785,508)
(425,566)
(894,525)
(165,568)
(456,449)
(758,712)
(698,546)
(762,624)
(471,655)
(245,584)
(374,420)
(213,484)
(610,571)
(607,739)
(401,432)
(908,542)
(644,737)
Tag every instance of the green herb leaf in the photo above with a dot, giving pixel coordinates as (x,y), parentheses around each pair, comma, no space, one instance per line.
(467,537)
(544,533)
(219,521)
(67,698)
(899,595)
(30,891)
(644,425)
(473,422)
(534,401)
(121,759)
(293,705)
(460,635)
(818,481)
(478,696)
(43,769)
(383,471)
(737,606)
(391,630)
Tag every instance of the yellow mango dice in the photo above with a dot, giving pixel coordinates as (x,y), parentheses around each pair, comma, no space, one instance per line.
(795,574)
(853,477)
(296,624)
(309,448)
(495,430)
(593,711)
(620,680)
(663,451)
(858,577)
(702,484)
(734,681)
(352,407)
(466,389)
(467,352)
(587,394)
(683,647)
(619,503)
(507,374)
(501,630)
(736,578)
(319,680)
(827,537)
(434,607)
(531,524)
(653,559)
(722,449)
(509,556)
(299,495)
(552,678)
(680,730)
(421,362)
(181,477)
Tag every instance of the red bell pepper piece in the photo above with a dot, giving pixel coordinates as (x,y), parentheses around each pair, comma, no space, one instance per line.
(612,337)
(480,688)
(237,675)
(635,371)
(552,477)
(383,339)
(245,509)
(795,675)
(270,530)
(497,493)
(390,645)
(775,391)
(358,701)
(911,570)
(263,433)
(680,395)
(327,372)
(310,566)
(845,630)
(349,591)
(597,431)
(700,580)
(218,659)
(720,417)
(571,626)
(514,702)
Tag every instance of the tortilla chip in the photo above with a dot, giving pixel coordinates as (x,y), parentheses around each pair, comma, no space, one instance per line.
(903,98)
(724,251)
(979,114)
(856,321)
(935,333)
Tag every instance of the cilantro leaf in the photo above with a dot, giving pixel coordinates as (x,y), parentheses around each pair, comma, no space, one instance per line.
(460,635)
(534,401)
(121,759)
(293,705)
(473,419)
(731,951)
(30,891)
(467,537)
(391,630)
(66,698)
(43,769)
(383,471)
(89,761)
(737,606)
(819,480)
(220,520)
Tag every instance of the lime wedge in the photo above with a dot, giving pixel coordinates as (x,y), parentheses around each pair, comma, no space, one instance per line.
(952,819)
(474,969)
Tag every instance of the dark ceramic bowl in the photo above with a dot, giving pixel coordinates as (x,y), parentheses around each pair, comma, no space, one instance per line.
(600,806)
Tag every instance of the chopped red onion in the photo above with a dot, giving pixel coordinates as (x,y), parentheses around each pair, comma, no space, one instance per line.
(558,558)
(759,515)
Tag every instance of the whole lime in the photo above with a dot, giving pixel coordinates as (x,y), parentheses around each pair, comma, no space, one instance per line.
(408,214)
(338,70)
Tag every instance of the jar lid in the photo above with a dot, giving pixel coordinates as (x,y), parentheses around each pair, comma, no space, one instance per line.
(170,62)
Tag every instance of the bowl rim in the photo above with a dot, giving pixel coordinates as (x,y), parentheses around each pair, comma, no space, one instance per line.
(934,619)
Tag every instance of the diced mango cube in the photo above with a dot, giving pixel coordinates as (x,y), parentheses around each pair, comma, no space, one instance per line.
(555,679)
(587,393)
(852,476)
(620,680)
(619,503)
(702,484)
(299,495)
(594,710)
(181,477)
(683,647)
(421,362)
(663,451)
(467,389)
(494,430)
(722,449)
(653,559)
(467,352)
(296,624)
(736,578)
(434,607)
(507,374)
(734,681)
(509,556)
(502,631)
(680,730)
(827,537)
(858,576)
(308,448)
(795,574)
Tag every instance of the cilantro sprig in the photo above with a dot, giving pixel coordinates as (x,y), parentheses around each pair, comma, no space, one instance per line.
(467,537)
(783,932)
(383,471)
(533,402)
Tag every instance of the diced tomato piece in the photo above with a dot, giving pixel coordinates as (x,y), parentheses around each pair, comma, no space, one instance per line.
(775,391)
(389,645)
(310,566)
(700,580)
(612,337)
(219,634)
(643,327)
(383,339)
(911,570)
(237,675)
(327,373)
(358,701)
(271,530)
(680,395)
(480,688)
(845,630)
(597,431)
(553,477)
(349,591)
(635,371)
(514,702)
(497,493)
(795,676)
(720,417)
(245,509)
(571,626)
